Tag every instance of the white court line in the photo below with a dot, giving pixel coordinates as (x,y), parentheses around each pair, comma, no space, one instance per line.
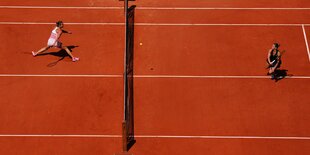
(55,75)
(47,23)
(216,24)
(150,76)
(62,7)
(147,8)
(62,136)
(159,136)
(217,77)
(306,41)
(150,24)
(224,137)
(214,8)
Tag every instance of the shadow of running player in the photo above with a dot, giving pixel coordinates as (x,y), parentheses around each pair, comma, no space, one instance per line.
(62,54)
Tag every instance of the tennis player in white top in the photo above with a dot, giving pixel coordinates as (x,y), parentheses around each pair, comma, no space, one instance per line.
(53,41)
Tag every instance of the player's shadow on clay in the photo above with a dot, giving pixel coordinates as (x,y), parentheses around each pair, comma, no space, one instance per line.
(281,74)
(62,54)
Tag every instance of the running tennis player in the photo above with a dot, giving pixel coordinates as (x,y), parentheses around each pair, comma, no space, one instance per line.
(274,60)
(53,41)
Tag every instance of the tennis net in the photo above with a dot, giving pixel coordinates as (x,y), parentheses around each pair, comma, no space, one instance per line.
(128,122)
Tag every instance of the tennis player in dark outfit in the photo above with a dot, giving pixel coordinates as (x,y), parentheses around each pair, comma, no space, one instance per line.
(274,60)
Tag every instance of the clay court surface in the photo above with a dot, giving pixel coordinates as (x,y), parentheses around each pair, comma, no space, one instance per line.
(200,84)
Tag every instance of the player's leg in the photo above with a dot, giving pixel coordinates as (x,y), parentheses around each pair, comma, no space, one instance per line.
(269,66)
(71,55)
(59,45)
(50,43)
(270,71)
(41,50)
(273,70)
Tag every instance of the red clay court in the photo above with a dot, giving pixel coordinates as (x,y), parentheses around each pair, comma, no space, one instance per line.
(200,84)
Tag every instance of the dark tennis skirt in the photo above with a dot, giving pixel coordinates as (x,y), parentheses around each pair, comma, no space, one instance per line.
(274,63)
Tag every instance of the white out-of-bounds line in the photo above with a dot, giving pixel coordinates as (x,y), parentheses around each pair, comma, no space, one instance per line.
(150,24)
(306,41)
(61,136)
(55,75)
(46,23)
(215,24)
(216,77)
(63,7)
(158,136)
(223,137)
(214,8)
(145,8)
(150,76)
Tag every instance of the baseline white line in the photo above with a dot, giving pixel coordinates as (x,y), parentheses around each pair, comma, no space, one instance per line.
(158,136)
(306,41)
(215,8)
(62,7)
(62,136)
(149,76)
(145,8)
(45,23)
(149,24)
(217,77)
(216,24)
(224,137)
(55,75)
